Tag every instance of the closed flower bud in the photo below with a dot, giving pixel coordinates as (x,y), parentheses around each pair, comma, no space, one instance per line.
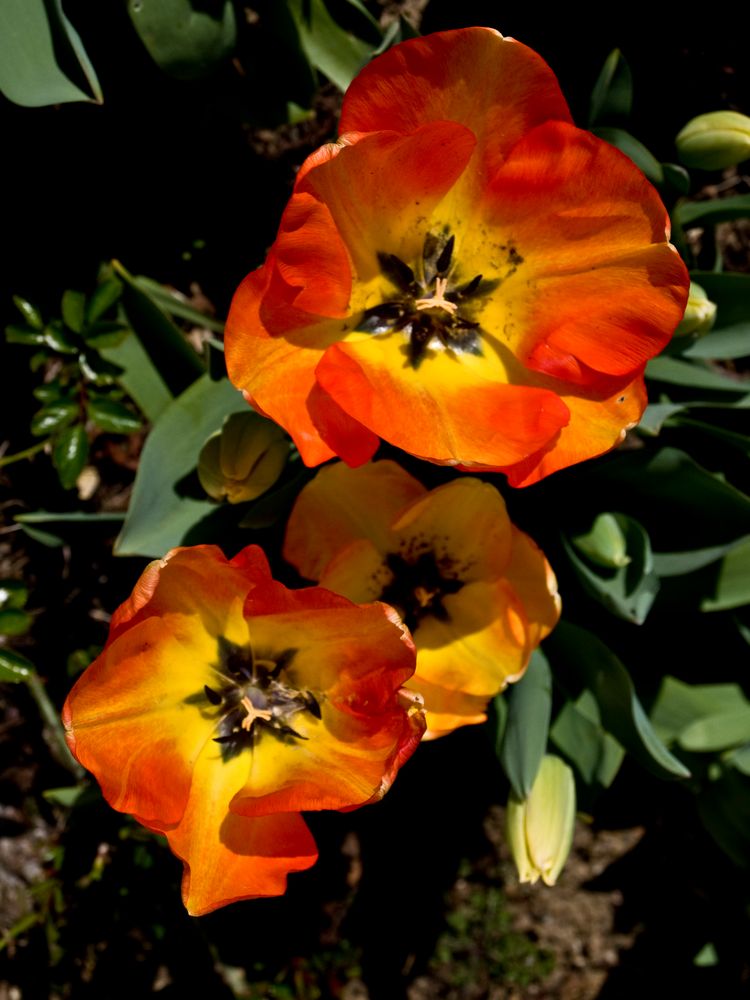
(700,313)
(715,140)
(243,459)
(540,827)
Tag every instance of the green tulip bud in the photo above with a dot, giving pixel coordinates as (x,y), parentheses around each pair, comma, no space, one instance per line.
(715,140)
(540,827)
(700,313)
(243,459)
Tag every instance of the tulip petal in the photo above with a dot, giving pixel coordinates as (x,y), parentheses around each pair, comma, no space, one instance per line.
(345,504)
(229,857)
(435,78)
(445,411)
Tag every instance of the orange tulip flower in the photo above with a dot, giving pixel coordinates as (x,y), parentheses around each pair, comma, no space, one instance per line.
(223,704)
(464,273)
(477,593)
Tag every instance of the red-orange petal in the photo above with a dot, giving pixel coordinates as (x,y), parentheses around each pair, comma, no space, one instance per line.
(495,86)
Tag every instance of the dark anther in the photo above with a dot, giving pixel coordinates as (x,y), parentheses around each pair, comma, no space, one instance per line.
(400,274)
(283,660)
(213,696)
(234,659)
(313,706)
(469,289)
(444,260)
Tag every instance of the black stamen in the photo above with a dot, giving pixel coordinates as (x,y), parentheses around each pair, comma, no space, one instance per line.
(313,705)
(213,696)
(400,274)
(444,260)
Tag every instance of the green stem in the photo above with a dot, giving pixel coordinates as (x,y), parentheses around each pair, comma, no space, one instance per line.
(49,714)
(20,455)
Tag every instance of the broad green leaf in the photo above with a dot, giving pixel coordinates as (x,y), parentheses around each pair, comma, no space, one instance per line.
(103,298)
(358,5)
(73,310)
(29,312)
(633,149)
(677,176)
(70,453)
(740,759)
(14,621)
(696,376)
(679,563)
(723,344)
(732,588)
(713,210)
(13,594)
(598,669)
(678,704)
(656,415)
(140,378)
(32,34)
(159,517)
(53,418)
(43,537)
(113,416)
(14,668)
(612,96)
(173,305)
(185,38)
(577,732)
(66,797)
(629,589)
(717,732)
(525,737)
(105,333)
(335,52)
(173,357)
(741,441)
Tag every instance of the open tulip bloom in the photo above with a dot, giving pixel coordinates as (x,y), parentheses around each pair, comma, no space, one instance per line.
(223,704)
(464,274)
(476,592)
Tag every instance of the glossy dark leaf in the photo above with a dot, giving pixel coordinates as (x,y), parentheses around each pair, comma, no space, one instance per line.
(74,310)
(69,453)
(103,298)
(53,418)
(14,621)
(113,416)
(14,668)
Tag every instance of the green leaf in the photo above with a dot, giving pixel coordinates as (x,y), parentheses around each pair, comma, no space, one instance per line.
(70,517)
(186,38)
(29,312)
(69,454)
(627,590)
(677,176)
(113,416)
(34,34)
(677,372)
(525,738)
(633,149)
(14,621)
(74,310)
(722,344)
(159,517)
(66,797)
(656,415)
(678,705)
(103,298)
(612,96)
(740,758)
(712,211)
(16,334)
(53,418)
(724,807)
(335,52)
(589,661)
(578,733)
(680,563)
(13,594)
(14,668)
(43,537)
(140,377)
(173,305)
(732,588)
(171,354)
(105,334)
(59,339)
(717,732)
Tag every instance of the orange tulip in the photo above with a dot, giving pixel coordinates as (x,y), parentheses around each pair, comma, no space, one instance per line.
(477,593)
(223,704)
(464,273)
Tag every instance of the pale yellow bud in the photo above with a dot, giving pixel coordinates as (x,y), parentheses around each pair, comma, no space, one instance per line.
(715,140)
(243,459)
(700,313)
(540,827)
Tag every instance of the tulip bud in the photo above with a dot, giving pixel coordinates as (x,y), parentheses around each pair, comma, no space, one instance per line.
(715,140)
(243,459)
(700,313)
(540,827)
